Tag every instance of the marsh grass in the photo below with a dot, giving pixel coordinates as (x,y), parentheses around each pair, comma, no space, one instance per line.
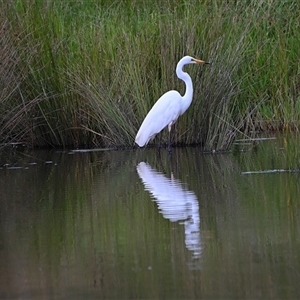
(85,73)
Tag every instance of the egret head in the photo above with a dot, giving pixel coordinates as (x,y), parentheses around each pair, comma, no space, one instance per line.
(191,60)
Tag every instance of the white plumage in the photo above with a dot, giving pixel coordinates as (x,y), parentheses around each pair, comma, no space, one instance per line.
(168,107)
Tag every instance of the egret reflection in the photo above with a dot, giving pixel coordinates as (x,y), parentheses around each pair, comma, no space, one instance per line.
(175,203)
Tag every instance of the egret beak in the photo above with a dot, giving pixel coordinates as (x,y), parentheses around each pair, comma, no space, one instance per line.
(200,62)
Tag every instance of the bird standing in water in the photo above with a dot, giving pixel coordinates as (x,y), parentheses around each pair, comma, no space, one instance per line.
(168,107)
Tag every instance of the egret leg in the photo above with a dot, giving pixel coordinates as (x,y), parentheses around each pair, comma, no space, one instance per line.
(170,166)
(159,142)
(169,139)
(158,147)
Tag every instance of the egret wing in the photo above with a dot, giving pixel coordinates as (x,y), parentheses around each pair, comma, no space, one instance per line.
(164,112)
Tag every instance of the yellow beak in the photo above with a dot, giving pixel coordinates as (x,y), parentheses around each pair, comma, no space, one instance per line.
(200,62)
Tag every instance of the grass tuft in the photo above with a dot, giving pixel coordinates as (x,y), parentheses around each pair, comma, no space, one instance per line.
(85,73)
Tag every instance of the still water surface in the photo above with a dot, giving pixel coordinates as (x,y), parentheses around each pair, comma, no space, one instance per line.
(135,225)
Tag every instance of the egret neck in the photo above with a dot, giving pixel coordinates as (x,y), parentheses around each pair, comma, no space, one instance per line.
(188,96)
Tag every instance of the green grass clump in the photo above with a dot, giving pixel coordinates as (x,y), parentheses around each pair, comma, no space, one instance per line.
(85,73)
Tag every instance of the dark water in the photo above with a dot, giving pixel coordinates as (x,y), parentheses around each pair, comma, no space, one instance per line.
(133,225)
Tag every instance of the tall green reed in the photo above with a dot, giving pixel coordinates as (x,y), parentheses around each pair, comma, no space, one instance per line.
(85,73)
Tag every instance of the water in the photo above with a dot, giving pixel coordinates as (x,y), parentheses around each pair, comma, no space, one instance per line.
(132,224)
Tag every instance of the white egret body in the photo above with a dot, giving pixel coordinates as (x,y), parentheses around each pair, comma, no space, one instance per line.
(168,107)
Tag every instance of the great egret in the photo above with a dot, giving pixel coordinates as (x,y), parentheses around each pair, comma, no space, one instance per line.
(168,107)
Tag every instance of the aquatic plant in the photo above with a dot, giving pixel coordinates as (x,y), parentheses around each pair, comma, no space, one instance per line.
(85,73)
